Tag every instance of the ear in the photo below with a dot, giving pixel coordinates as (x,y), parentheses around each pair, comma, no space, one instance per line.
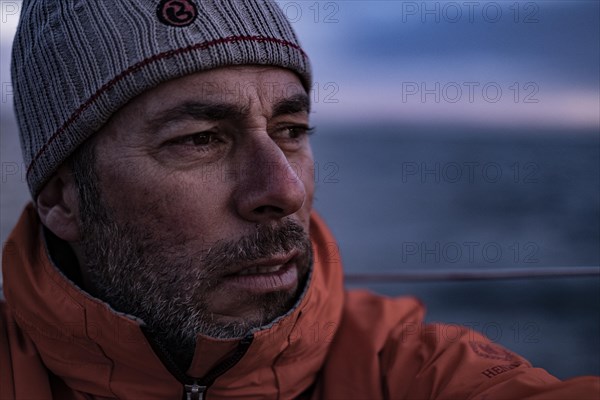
(58,205)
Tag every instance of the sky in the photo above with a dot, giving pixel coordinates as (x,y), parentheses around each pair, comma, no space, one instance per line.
(492,63)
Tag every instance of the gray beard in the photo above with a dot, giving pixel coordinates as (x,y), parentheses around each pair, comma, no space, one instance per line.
(156,279)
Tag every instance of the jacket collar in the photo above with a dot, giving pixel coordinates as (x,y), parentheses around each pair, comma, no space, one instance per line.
(96,350)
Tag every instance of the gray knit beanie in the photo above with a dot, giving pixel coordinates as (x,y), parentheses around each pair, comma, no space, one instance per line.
(76,62)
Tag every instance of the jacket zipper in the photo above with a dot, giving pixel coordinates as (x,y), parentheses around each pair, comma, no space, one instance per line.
(194,391)
(196,388)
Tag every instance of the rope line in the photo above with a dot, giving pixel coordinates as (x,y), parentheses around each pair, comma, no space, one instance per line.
(414,275)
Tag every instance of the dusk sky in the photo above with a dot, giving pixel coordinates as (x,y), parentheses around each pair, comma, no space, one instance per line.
(382,56)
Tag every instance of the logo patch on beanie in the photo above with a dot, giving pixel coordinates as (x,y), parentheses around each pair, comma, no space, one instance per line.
(177,12)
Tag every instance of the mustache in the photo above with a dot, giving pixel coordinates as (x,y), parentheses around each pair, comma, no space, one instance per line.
(224,257)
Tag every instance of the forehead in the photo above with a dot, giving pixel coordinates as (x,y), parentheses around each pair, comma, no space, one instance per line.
(247,86)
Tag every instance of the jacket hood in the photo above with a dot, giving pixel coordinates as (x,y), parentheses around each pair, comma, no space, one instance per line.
(97,350)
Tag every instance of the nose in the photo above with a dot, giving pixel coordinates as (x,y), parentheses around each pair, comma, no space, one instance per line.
(270,187)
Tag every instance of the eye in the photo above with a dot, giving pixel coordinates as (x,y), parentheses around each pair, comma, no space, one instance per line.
(202,139)
(291,138)
(197,139)
(294,132)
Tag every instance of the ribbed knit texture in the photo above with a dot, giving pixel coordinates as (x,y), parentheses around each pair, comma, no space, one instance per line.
(76,62)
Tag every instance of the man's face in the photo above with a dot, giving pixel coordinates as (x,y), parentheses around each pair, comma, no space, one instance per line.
(199,216)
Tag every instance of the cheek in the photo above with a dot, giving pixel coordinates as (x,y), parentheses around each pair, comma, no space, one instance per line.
(190,204)
(308,179)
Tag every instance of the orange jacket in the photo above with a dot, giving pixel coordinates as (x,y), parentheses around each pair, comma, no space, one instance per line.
(58,342)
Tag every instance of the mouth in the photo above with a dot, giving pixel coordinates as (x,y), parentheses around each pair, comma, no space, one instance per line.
(260,270)
(279,273)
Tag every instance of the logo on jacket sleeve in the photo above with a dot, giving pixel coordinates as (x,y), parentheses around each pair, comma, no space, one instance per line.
(177,12)
(491,351)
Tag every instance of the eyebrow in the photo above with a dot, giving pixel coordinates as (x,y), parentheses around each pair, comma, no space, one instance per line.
(292,105)
(197,111)
(216,111)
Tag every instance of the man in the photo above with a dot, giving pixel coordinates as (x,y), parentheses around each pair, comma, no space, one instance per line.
(172,251)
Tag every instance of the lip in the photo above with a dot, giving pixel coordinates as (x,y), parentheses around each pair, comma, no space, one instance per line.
(273,274)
